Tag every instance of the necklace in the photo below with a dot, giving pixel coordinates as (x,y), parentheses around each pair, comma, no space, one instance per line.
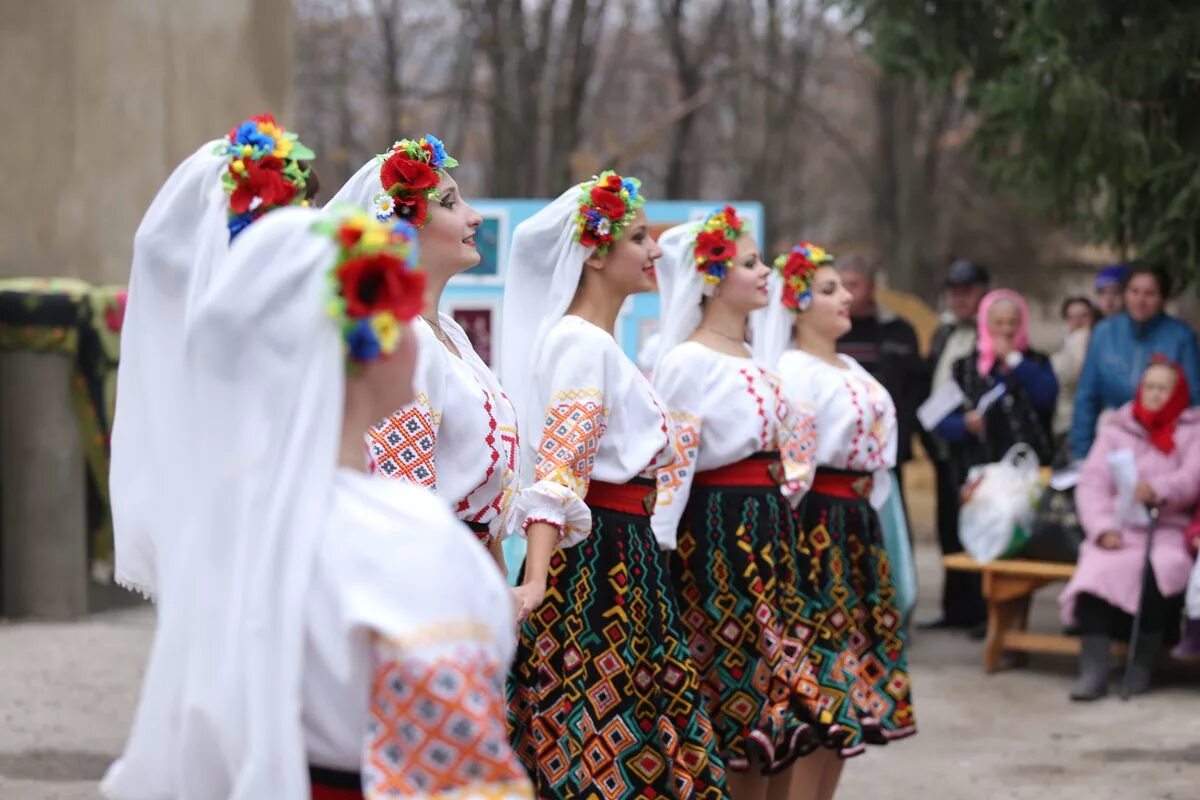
(436,326)
(735,339)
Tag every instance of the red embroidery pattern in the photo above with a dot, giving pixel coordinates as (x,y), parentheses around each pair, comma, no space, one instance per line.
(403,446)
(570,439)
(764,438)
(437,728)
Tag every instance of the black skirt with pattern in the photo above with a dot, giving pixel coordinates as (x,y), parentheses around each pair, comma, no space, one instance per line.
(735,576)
(604,700)
(854,670)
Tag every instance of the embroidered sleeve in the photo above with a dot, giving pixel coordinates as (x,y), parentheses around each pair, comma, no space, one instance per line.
(572,383)
(436,727)
(796,437)
(679,384)
(403,446)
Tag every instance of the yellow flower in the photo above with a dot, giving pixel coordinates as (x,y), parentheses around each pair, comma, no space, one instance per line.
(238,166)
(387,330)
(282,147)
(374,236)
(247,150)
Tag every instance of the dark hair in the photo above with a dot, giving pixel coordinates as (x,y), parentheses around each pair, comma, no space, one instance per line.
(1070,301)
(1161,278)
(312,184)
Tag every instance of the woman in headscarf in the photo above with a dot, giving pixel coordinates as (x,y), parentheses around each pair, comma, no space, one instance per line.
(1162,435)
(458,437)
(1019,382)
(325,633)
(722,508)
(604,699)
(185,235)
(853,670)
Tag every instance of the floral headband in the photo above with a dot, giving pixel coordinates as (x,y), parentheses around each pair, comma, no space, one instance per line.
(375,288)
(798,268)
(716,245)
(266,170)
(607,203)
(409,176)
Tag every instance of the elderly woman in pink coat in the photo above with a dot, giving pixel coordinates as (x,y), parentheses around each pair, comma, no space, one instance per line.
(1162,435)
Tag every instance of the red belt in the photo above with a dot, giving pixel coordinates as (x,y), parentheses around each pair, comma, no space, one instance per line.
(760,469)
(635,498)
(481,530)
(842,483)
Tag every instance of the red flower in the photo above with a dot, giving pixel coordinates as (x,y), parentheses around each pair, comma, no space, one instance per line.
(613,183)
(413,209)
(381,282)
(428,148)
(412,175)
(262,180)
(713,246)
(608,203)
(731,218)
(349,236)
(589,238)
(114,315)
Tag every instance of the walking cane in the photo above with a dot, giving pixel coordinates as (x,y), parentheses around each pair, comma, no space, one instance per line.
(1147,574)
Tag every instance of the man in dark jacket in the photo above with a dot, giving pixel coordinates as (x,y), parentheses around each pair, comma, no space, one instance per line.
(962,595)
(886,346)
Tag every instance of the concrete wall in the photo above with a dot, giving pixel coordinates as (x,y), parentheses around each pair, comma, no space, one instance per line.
(101,99)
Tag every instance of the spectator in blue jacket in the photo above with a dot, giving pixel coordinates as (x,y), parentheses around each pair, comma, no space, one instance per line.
(1121,349)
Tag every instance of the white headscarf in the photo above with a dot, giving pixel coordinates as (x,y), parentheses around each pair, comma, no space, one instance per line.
(220,715)
(771,327)
(178,244)
(680,287)
(362,187)
(544,268)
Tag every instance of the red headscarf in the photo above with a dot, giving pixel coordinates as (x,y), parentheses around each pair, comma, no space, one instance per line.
(1161,424)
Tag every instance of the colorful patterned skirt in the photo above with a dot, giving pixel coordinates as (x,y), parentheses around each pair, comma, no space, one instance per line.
(603,700)
(853,671)
(734,571)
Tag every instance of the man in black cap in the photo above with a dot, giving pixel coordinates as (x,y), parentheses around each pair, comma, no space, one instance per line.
(962,596)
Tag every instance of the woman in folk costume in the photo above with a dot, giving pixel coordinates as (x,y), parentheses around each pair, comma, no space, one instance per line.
(722,507)
(209,199)
(458,437)
(604,699)
(327,634)
(854,670)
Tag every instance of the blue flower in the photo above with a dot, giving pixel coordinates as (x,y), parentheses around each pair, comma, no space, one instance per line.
(439,150)
(239,223)
(248,133)
(717,269)
(364,345)
(630,187)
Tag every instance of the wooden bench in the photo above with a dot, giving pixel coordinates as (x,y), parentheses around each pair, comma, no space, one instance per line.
(1008,586)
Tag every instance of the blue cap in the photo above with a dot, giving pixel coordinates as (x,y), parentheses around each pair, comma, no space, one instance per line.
(1112,275)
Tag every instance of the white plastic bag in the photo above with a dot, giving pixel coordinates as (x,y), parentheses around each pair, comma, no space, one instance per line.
(1001,499)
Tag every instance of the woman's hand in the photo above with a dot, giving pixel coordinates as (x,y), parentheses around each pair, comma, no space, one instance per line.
(1109,540)
(527,597)
(973,422)
(1144,494)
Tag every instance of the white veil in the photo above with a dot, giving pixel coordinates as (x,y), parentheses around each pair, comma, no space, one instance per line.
(544,268)
(680,287)
(178,244)
(362,187)
(219,716)
(771,327)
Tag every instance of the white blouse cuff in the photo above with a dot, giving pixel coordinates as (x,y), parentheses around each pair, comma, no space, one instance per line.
(555,504)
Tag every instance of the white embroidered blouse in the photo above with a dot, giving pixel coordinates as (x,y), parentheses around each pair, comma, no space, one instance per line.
(853,414)
(603,422)
(408,639)
(725,409)
(458,437)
